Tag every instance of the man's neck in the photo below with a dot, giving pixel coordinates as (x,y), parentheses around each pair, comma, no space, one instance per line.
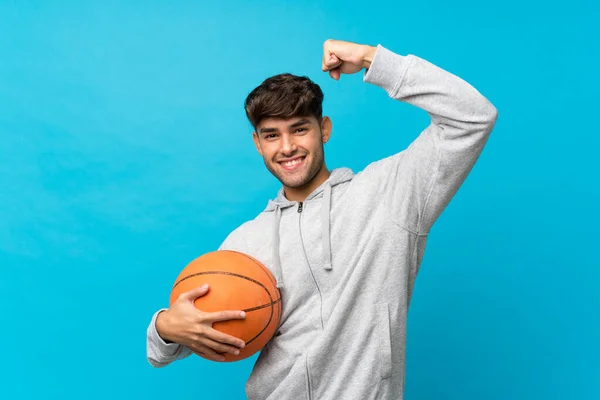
(301,193)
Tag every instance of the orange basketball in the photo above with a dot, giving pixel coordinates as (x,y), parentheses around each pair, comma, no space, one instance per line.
(236,281)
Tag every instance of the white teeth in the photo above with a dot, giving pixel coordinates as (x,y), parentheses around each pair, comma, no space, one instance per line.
(292,163)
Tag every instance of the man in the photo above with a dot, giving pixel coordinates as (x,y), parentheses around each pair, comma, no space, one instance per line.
(345,248)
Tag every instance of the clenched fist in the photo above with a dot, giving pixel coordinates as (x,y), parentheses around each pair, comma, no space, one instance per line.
(346,57)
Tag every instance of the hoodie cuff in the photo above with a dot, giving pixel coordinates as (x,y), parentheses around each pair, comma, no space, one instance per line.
(387,70)
(164,348)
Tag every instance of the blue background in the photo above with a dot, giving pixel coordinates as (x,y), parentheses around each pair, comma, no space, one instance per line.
(125,153)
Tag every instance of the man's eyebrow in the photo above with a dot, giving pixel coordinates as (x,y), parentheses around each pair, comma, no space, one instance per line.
(296,124)
(299,123)
(267,130)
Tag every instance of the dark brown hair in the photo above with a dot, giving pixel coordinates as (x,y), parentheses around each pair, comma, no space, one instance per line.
(284,96)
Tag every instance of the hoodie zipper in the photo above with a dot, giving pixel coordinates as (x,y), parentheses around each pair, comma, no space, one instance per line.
(308,383)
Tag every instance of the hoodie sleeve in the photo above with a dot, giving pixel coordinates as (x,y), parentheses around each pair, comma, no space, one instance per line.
(159,352)
(418,183)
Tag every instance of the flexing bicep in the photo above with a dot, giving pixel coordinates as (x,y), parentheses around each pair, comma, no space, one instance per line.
(419,182)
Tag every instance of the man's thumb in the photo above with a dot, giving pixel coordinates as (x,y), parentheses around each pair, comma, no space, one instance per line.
(332,61)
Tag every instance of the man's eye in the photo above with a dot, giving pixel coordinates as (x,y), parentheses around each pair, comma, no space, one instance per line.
(300,130)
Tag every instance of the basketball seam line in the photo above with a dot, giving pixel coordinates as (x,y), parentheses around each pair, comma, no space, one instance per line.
(265,270)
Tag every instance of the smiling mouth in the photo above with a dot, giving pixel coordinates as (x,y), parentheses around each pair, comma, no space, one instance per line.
(290,165)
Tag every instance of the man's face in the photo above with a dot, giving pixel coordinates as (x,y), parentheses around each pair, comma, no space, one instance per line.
(292,149)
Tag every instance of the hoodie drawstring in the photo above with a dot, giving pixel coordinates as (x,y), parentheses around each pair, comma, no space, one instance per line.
(325,216)
(276,258)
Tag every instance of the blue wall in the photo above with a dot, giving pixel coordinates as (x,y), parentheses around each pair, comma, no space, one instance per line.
(125,153)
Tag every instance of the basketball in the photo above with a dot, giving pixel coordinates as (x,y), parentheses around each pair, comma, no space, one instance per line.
(236,281)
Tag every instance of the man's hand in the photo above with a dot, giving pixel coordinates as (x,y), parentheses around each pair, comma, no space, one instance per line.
(183,323)
(346,57)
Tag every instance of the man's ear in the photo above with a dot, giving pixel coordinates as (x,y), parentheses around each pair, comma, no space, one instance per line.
(325,129)
(257,143)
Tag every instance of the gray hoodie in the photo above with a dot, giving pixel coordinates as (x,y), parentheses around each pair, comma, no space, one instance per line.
(346,258)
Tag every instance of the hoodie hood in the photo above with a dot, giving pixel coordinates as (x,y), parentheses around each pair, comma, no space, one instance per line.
(337,176)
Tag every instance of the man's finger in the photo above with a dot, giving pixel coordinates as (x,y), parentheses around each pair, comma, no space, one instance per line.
(204,351)
(193,294)
(224,315)
(221,337)
(220,348)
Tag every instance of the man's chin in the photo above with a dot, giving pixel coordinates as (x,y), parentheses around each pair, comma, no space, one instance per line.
(293,183)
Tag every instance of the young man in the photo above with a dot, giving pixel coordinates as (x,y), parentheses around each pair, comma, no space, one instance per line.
(345,248)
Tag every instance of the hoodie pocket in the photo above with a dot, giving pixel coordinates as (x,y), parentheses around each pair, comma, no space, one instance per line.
(385,339)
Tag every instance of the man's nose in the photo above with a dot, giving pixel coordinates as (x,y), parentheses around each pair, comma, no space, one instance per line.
(288,146)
